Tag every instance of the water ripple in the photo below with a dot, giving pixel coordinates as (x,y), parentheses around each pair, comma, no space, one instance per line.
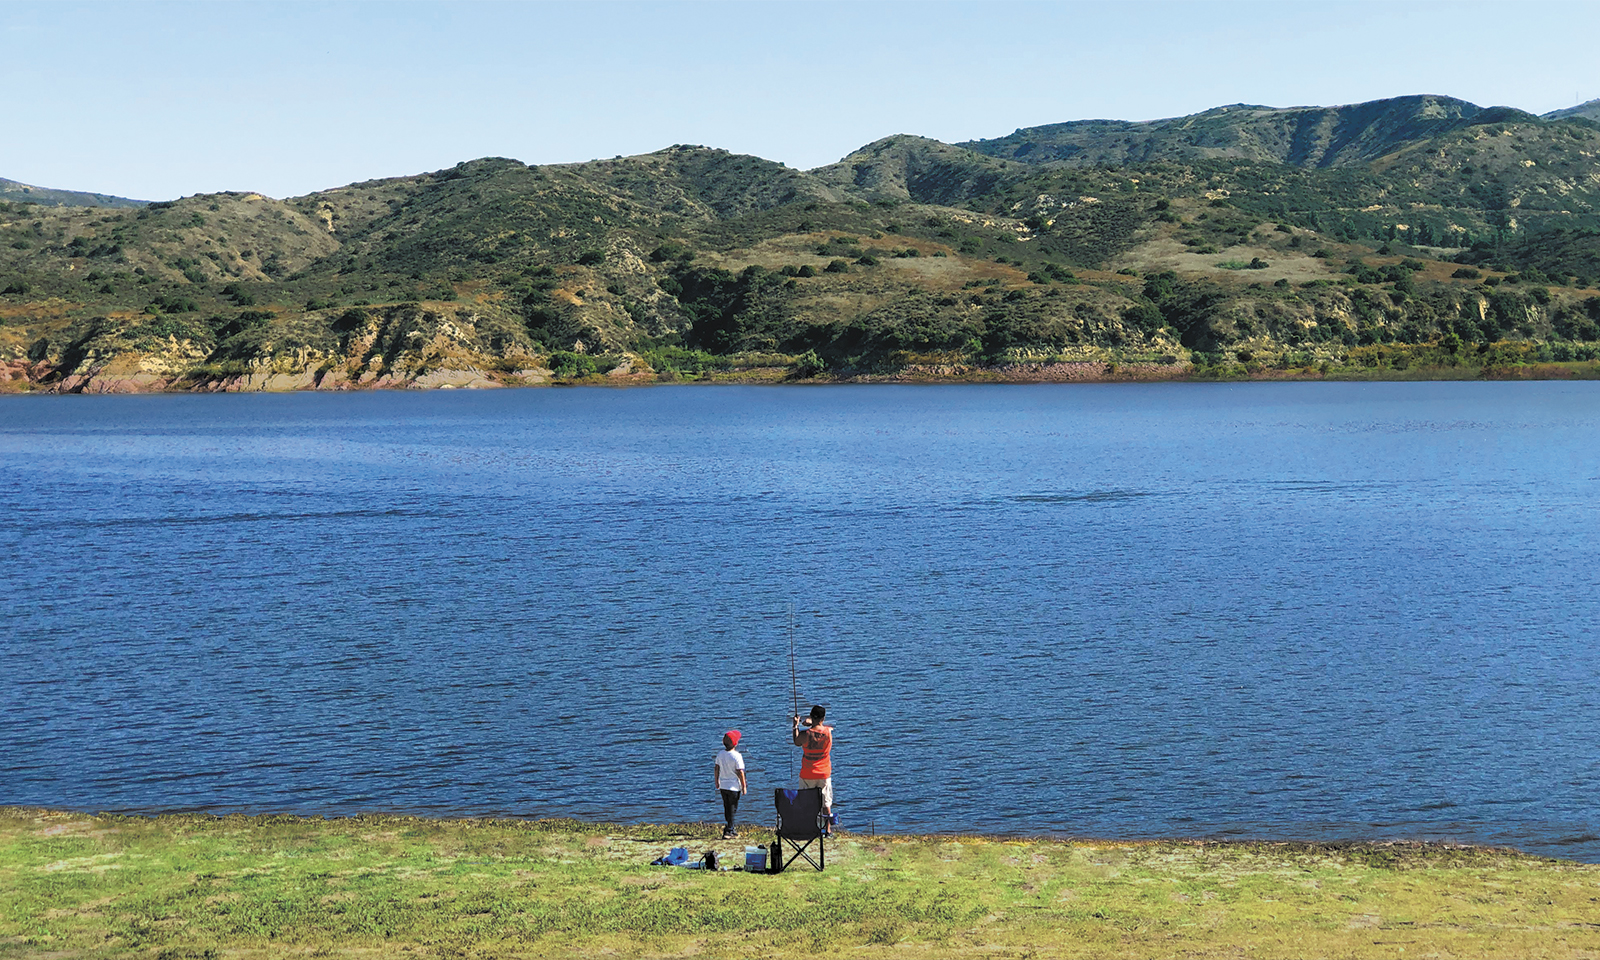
(1313,611)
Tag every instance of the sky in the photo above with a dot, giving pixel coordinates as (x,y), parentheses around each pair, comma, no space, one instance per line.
(160,100)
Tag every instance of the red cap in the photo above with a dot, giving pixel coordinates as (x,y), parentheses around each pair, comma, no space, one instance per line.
(733,736)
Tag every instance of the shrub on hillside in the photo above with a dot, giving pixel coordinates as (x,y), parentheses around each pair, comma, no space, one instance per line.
(671,250)
(570,366)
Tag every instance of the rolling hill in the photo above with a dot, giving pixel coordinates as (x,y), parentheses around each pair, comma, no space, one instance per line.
(1341,136)
(1586,111)
(1241,237)
(46,197)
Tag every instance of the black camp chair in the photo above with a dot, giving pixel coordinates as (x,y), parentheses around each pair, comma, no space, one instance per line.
(799,825)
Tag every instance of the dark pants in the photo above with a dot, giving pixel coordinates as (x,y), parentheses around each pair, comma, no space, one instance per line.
(730,805)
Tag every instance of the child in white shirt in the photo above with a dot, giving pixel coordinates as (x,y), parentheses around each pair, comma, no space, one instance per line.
(730,780)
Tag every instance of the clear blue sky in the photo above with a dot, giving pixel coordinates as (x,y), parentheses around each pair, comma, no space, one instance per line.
(159,100)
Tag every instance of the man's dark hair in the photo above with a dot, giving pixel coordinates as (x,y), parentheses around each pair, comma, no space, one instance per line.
(817,713)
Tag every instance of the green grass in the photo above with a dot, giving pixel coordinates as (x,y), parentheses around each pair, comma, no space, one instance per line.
(195,886)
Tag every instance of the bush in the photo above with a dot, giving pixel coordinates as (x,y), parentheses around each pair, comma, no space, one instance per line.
(1466,273)
(671,250)
(1144,316)
(677,360)
(806,365)
(172,303)
(568,365)
(591,258)
(1364,273)
(1055,273)
(347,321)
(837,266)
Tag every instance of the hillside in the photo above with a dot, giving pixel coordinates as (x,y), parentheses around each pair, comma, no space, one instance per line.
(925,171)
(46,197)
(1586,111)
(1303,136)
(1242,239)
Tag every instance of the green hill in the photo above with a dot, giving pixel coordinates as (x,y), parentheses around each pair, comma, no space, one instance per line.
(1304,136)
(1586,111)
(46,197)
(1243,239)
(903,167)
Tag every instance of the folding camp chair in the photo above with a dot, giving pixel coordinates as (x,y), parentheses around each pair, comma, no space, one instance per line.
(799,825)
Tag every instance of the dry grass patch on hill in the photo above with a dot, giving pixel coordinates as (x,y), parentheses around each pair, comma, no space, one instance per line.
(1168,254)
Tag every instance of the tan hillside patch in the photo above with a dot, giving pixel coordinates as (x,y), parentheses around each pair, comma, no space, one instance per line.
(1168,254)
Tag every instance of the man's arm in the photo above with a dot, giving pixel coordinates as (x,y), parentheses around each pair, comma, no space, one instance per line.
(743,787)
(716,776)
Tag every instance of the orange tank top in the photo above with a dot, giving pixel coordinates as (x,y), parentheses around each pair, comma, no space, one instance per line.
(817,762)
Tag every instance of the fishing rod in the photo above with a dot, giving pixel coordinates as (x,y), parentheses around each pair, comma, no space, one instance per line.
(794,686)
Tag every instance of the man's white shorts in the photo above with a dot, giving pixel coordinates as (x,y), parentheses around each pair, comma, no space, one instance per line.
(826,783)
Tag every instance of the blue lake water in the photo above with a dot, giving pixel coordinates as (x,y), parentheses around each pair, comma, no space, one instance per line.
(1315,611)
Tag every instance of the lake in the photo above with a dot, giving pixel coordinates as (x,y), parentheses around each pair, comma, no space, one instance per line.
(1310,611)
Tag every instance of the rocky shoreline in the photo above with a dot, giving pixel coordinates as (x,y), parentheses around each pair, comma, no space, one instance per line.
(125,376)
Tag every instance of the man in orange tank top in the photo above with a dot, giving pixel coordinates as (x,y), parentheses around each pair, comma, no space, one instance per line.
(816,765)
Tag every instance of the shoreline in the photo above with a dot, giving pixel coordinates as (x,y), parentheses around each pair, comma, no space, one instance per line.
(28,379)
(275,885)
(710,831)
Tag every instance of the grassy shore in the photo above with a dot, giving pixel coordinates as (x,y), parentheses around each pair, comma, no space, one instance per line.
(178,886)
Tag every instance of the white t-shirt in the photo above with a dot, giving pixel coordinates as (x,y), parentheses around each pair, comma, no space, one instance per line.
(729,763)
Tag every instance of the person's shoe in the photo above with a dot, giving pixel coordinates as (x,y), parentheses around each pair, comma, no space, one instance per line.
(728,833)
